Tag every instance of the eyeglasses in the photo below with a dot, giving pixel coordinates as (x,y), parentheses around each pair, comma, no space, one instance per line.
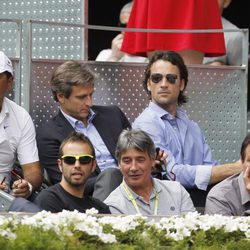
(156,78)
(83,159)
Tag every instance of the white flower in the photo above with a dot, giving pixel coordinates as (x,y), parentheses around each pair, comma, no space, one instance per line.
(108,238)
(7,233)
(247,233)
(122,223)
(67,223)
(92,211)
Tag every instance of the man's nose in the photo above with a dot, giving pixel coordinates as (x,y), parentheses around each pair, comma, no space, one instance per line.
(133,166)
(164,82)
(89,101)
(77,164)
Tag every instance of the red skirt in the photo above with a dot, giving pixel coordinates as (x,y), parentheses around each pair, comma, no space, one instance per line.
(174,14)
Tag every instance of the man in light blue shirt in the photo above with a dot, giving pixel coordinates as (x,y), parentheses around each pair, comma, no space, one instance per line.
(189,157)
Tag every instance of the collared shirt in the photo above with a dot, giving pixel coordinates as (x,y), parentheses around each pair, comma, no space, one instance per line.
(228,197)
(173,200)
(189,157)
(17,137)
(103,157)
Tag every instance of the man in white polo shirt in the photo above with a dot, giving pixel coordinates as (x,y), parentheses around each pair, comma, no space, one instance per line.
(17,139)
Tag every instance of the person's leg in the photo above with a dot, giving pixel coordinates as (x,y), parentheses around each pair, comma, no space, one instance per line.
(191,56)
(107,181)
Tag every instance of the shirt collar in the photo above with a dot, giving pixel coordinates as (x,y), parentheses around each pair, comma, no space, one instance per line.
(73,122)
(180,112)
(156,189)
(245,196)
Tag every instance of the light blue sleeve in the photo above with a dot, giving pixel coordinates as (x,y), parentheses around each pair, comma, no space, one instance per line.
(190,176)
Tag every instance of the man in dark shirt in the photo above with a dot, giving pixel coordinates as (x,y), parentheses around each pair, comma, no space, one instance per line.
(76,162)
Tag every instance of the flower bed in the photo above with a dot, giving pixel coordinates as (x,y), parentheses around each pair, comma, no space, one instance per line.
(74,230)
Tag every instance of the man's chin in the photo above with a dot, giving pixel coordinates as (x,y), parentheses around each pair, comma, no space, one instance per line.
(77,183)
(134,181)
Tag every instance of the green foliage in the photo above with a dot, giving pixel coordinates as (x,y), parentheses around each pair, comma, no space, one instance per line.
(16,235)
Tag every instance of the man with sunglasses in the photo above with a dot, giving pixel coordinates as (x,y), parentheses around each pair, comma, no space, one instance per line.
(76,162)
(189,157)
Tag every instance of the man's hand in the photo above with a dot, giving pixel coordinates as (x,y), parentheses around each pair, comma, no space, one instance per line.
(4,187)
(116,54)
(161,159)
(21,188)
(246,178)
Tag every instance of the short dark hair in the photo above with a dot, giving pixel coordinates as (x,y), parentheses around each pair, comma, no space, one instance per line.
(174,58)
(133,138)
(68,74)
(244,145)
(76,137)
(8,74)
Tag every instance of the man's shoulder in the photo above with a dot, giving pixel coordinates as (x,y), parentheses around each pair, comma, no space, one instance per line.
(96,201)
(110,112)
(51,126)
(106,108)
(114,196)
(146,115)
(224,187)
(48,192)
(172,186)
(14,107)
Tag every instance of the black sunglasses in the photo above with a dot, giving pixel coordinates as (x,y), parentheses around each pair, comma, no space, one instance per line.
(83,159)
(156,78)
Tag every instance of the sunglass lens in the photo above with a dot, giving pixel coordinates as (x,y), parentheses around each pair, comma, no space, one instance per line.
(156,78)
(69,160)
(171,78)
(85,159)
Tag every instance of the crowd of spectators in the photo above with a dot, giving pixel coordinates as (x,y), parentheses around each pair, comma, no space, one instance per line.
(91,163)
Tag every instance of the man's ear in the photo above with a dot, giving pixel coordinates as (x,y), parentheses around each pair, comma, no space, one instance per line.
(93,166)
(60,97)
(10,83)
(148,86)
(182,87)
(59,162)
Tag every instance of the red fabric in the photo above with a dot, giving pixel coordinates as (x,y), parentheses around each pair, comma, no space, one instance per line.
(174,14)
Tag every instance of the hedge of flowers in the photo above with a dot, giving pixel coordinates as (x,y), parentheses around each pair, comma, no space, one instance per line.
(74,230)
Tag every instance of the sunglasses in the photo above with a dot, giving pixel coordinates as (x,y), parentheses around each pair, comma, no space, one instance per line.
(83,159)
(156,78)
